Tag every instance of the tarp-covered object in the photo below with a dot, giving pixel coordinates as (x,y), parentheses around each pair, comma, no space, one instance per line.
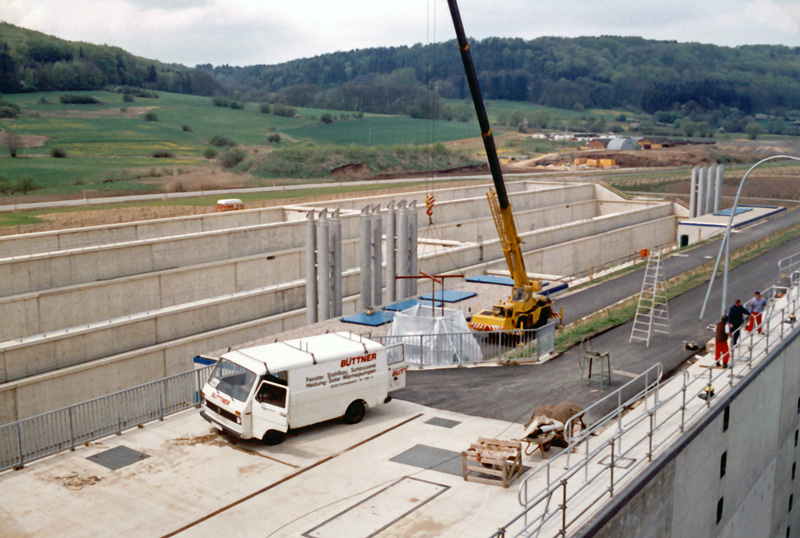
(434,338)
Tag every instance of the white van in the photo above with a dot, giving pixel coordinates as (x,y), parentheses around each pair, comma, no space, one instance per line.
(261,392)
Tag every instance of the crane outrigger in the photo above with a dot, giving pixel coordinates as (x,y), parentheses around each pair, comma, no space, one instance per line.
(525,308)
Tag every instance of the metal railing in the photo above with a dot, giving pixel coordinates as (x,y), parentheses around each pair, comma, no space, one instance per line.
(606,463)
(458,349)
(43,435)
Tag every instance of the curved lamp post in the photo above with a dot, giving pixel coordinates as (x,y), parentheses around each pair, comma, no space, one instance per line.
(726,242)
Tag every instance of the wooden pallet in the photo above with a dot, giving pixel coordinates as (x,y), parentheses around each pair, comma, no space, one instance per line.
(498,462)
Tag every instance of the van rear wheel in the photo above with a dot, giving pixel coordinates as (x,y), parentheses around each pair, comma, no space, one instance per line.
(273,437)
(355,412)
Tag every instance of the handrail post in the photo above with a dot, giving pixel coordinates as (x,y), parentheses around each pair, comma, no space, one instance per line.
(650,438)
(21,459)
(710,386)
(161,405)
(71,432)
(783,311)
(750,347)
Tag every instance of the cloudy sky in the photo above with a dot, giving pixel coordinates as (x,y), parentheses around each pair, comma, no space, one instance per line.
(246,32)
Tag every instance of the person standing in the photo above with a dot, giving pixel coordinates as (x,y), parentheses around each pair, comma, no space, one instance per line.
(721,342)
(756,310)
(736,316)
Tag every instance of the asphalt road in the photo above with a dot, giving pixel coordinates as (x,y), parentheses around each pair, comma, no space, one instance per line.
(511,393)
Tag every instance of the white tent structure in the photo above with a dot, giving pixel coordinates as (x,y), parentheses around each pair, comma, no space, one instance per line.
(434,338)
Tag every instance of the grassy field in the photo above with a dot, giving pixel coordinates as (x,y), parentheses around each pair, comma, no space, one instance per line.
(110,146)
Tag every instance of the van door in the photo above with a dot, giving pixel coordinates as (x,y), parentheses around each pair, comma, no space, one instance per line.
(396,361)
(270,408)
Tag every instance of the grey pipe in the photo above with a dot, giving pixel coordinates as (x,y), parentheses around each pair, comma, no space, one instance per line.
(693,194)
(718,189)
(336,240)
(324,266)
(311,269)
(412,246)
(377,257)
(366,259)
(391,268)
(701,191)
(403,268)
(710,184)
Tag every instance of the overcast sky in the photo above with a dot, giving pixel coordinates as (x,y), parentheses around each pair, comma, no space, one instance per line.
(247,32)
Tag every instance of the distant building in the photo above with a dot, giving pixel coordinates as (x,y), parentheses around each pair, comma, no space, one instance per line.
(621,143)
(599,143)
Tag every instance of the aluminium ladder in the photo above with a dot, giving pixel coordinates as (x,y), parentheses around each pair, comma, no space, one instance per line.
(652,312)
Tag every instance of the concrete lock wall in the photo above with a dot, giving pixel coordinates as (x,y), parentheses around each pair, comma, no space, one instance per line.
(70,306)
(679,496)
(59,349)
(52,241)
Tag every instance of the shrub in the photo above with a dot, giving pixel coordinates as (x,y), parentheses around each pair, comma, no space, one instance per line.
(163,154)
(79,100)
(58,153)
(222,142)
(186,128)
(210,153)
(7,112)
(26,184)
(285,111)
(326,118)
(127,97)
(231,157)
(264,108)
(220,100)
(274,138)
(236,105)
(151,116)
(43,101)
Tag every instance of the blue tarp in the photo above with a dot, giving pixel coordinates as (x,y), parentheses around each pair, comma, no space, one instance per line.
(380,317)
(449,296)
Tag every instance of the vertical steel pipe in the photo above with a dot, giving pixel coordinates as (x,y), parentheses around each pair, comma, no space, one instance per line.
(377,257)
(324,266)
(412,247)
(693,194)
(311,269)
(403,268)
(391,267)
(336,249)
(366,259)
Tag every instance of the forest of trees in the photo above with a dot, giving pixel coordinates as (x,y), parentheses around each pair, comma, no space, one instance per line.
(31,61)
(706,82)
(677,83)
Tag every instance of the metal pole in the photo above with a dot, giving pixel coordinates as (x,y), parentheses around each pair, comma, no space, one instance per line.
(412,246)
(377,249)
(336,240)
(402,250)
(710,184)
(311,269)
(701,191)
(324,266)
(726,238)
(391,267)
(718,189)
(693,194)
(21,463)
(71,432)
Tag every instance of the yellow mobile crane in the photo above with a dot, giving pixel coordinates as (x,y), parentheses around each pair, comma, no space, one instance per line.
(526,308)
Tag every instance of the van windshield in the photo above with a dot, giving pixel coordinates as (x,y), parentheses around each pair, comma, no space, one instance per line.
(231,379)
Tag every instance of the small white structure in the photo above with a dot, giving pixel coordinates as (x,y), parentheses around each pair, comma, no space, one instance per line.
(622,143)
(434,338)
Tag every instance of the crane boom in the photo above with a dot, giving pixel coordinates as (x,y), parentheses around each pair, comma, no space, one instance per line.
(525,308)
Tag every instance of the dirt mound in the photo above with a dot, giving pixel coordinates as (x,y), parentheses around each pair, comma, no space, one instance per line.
(351,171)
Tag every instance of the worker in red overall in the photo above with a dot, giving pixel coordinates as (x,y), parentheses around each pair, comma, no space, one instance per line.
(721,342)
(756,310)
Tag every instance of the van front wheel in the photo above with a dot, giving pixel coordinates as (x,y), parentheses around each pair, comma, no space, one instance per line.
(273,437)
(355,412)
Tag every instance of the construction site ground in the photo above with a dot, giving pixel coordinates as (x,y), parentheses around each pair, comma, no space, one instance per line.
(395,474)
